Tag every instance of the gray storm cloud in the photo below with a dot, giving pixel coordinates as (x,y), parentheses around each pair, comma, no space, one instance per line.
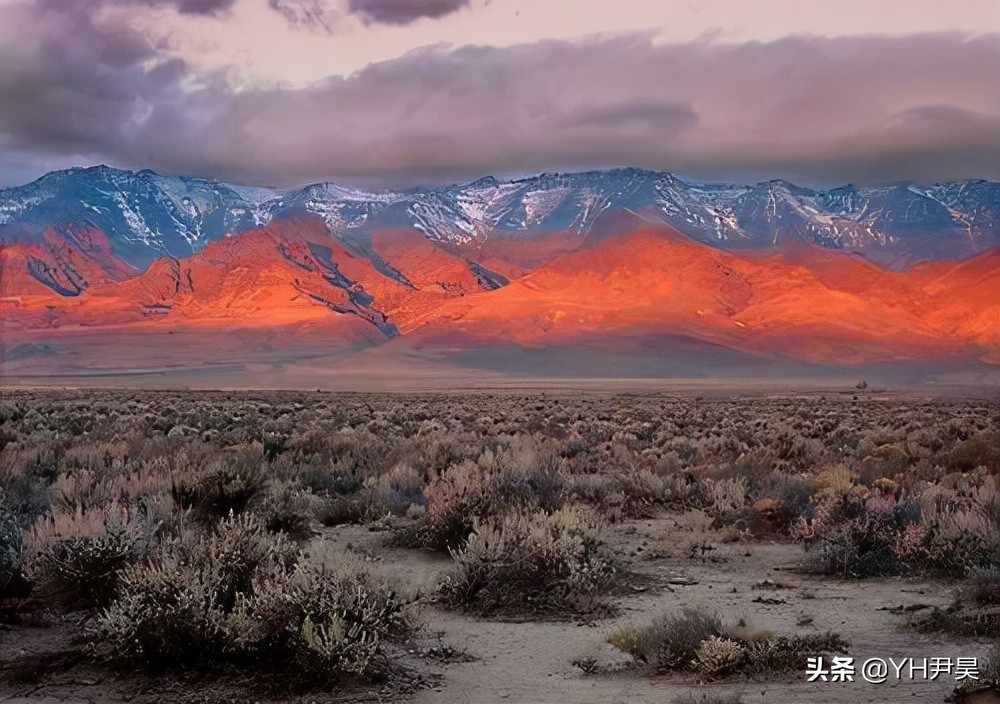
(823,110)
(185,7)
(404,11)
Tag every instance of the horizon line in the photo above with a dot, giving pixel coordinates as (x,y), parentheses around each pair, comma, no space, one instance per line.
(499,178)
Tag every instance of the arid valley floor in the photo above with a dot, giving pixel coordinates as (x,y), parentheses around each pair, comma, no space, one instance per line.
(527,546)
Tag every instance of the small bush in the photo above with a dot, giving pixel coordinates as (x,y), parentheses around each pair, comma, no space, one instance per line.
(11,548)
(243,596)
(288,510)
(82,572)
(980,450)
(531,563)
(788,654)
(982,588)
(274,445)
(342,623)
(975,611)
(671,641)
(75,561)
(26,497)
(695,641)
(989,669)
(717,657)
(226,486)
(339,510)
(874,544)
(187,603)
(472,491)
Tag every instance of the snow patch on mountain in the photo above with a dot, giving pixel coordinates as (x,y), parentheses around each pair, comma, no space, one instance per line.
(147,214)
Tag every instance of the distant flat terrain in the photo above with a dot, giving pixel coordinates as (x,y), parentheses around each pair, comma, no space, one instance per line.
(237,360)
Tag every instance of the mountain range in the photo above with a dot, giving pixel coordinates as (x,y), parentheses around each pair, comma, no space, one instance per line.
(623,259)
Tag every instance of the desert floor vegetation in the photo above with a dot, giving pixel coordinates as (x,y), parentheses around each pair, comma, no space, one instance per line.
(365,546)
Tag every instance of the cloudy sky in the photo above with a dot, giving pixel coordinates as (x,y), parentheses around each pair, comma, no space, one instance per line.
(397,92)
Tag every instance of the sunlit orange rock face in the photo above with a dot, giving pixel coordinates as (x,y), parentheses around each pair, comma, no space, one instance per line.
(60,267)
(627,281)
(809,303)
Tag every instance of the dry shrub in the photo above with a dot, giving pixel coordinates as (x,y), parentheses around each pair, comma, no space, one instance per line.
(862,549)
(730,496)
(531,563)
(329,480)
(240,594)
(980,450)
(485,489)
(717,657)
(791,449)
(975,611)
(341,623)
(961,520)
(642,490)
(670,641)
(788,653)
(274,444)
(855,530)
(871,488)
(983,587)
(399,489)
(75,560)
(436,451)
(285,508)
(989,668)
(82,490)
(362,453)
(692,640)
(358,507)
(225,485)
(11,548)
(26,497)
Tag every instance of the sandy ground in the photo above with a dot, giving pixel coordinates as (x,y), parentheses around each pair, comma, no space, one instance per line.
(206,359)
(532,662)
